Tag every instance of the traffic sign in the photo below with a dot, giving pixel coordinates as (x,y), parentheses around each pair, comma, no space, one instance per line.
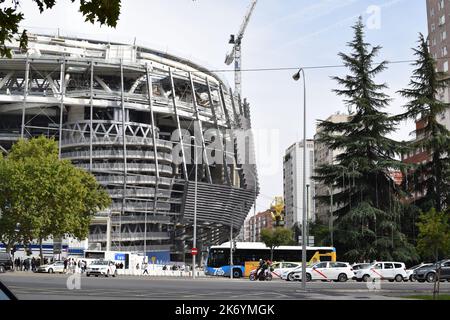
(194,251)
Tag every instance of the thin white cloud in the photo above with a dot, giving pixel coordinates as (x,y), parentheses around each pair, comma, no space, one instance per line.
(333,26)
(317,10)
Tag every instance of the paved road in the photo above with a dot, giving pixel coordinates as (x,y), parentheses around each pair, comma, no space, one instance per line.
(29,286)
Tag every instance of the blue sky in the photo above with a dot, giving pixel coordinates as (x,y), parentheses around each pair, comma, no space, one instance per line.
(282,33)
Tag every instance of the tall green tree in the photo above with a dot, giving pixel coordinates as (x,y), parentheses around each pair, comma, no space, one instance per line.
(276,237)
(105,12)
(434,235)
(431,178)
(367,217)
(47,196)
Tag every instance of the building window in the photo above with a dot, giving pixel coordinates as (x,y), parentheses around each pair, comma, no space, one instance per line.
(432,12)
(446,66)
(433,42)
(441,4)
(443,35)
(442,20)
(433,27)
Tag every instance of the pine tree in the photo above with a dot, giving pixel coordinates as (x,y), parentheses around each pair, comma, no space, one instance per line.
(364,191)
(433,177)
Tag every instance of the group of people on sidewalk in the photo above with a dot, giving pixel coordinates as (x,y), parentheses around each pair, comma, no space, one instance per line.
(29,264)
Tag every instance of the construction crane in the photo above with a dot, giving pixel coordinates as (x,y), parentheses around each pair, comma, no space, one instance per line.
(235,54)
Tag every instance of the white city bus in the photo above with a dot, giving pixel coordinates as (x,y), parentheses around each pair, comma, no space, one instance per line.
(218,261)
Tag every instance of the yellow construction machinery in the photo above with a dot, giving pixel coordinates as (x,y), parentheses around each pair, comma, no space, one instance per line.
(277,210)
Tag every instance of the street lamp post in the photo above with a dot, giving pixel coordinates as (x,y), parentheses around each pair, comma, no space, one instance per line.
(331,216)
(307,214)
(296,78)
(195,208)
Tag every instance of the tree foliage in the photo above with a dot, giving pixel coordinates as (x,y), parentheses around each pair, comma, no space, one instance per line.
(276,237)
(431,178)
(105,12)
(48,197)
(434,234)
(366,196)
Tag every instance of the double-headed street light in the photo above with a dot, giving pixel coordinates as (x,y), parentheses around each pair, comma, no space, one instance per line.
(296,78)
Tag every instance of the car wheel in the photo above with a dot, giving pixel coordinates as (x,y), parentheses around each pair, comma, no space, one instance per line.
(51,270)
(88,275)
(366,278)
(342,277)
(308,277)
(431,277)
(2,269)
(399,278)
(96,275)
(412,279)
(290,277)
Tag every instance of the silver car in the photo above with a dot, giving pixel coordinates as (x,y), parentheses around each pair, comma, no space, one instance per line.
(55,267)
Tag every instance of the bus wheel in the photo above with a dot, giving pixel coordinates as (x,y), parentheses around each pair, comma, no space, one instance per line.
(237,273)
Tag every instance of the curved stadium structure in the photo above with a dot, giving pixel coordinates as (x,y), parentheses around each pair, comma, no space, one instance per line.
(128,114)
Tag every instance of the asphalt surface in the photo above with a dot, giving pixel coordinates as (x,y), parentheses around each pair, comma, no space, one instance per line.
(29,286)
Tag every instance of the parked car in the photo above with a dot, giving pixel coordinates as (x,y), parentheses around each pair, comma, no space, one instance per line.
(430,273)
(6,262)
(392,271)
(280,268)
(410,271)
(57,267)
(290,274)
(101,268)
(328,271)
(359,266)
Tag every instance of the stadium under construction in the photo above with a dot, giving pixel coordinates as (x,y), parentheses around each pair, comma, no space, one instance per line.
(136,118)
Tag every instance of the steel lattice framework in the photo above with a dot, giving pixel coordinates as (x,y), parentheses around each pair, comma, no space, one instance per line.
(124,113)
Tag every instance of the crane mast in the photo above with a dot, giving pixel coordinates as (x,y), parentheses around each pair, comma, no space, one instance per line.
(236,53)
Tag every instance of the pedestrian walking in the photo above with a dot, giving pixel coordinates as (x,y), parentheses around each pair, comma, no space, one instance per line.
(145,266)
(66,262)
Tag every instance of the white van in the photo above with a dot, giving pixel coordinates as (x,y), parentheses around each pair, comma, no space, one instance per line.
(392,271)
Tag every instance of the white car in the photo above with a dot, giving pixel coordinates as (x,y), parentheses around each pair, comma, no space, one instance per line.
(101,268)
(392,271)
(55,267)
(282,268)
(410,271)
(328,271)
(359,266)
(290,274)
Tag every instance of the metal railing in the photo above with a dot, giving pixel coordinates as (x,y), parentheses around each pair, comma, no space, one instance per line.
(82,140)
(117,154)
(130,236)
(133,180)
(130,167)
